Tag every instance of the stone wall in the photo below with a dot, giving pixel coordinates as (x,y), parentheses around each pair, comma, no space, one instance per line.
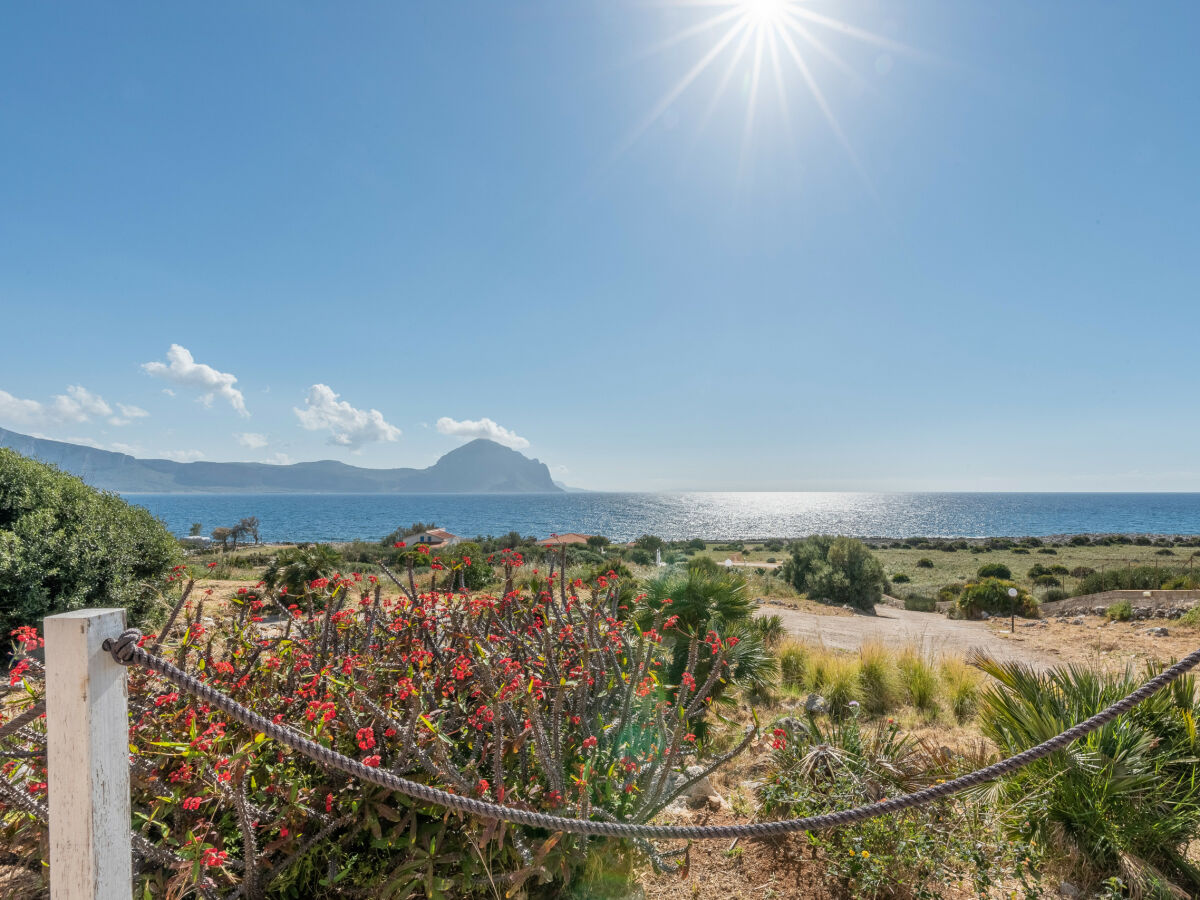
(1146,604)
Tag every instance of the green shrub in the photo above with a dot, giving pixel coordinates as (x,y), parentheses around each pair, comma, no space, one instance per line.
(295,568)
(900,578)
(1191,618)
(1130,578)
(1125,800)
(793,659)
(920,603)
(1121,611)
(1048,551)
(839,570)
(990,595)
(1019,551)
(878,679)
(1082,571)
(821,766)
(770,629)
(918,680)
(924,563)
(961,686)
(1047,580)
(66,546)
(995,570)
(1054,595)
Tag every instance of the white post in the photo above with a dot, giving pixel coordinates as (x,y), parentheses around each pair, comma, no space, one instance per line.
(87,725)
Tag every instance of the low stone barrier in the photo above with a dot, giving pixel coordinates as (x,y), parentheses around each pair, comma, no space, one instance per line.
(1146,604)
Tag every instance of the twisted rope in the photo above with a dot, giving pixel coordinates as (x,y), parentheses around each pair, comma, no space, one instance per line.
(125,650)
(30,715)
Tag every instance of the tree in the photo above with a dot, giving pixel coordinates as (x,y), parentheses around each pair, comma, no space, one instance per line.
(649,543)
(597,541)
(249,526)
(223,535)
(66,546)
(838,570)
(195,530)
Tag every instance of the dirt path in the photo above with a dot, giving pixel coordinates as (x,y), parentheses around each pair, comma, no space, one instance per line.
(900,627)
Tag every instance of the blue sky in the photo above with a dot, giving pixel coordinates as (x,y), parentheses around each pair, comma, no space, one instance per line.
(379,217)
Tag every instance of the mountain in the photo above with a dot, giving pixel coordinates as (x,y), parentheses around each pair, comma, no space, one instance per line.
(480,467)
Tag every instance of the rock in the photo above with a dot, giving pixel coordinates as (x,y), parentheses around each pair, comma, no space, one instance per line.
(1098,610)
(1078,620)
(1066,889)
(984,615)
(815,704)
(700,794)
(1157,632)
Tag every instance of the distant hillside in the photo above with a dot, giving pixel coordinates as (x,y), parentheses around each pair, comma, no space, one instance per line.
(480,467)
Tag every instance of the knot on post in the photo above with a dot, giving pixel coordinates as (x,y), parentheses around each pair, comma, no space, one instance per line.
(122,649)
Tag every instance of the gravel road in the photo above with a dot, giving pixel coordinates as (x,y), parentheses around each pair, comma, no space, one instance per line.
(898,627)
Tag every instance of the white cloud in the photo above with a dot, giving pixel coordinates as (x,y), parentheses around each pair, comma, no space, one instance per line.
(481,428)
(78,404)
(348,427)
(184,455)
(250,439)
(279,459)
(182,369)
(168,392)
(24,412)
(131,449)
(128,414)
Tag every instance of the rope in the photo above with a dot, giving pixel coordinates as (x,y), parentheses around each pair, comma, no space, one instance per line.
(125,650)
(30,715)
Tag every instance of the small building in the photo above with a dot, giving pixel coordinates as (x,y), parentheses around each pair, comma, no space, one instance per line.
(559,540)
(435,537)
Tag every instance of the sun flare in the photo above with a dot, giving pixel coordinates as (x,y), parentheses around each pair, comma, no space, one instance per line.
(786,41)
(764,12)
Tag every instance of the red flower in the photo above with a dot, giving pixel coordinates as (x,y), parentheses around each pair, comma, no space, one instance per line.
(192,803)
(213,857)
(372,761)
(366,738)
(589,743)
(482,787)
(399,544)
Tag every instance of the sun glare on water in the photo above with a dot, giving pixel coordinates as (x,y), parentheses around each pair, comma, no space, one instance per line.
(787,42)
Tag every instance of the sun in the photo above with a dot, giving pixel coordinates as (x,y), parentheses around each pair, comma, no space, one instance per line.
(764,13)
(750,42)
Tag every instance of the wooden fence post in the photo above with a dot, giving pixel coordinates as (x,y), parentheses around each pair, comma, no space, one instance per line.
(87,726)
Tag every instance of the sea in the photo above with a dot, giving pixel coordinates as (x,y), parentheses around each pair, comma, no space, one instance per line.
(708,515)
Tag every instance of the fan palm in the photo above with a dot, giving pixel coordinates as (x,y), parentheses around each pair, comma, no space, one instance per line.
(1123,800)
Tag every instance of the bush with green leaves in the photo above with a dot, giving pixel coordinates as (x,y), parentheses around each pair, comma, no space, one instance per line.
(990,595)
(1121,611)
(924,563)
(837,570)
(821,765)
(1123,801)
(995,570)
(919,603)
(65,546)
(1137,578)
(294,568)
(707,600)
